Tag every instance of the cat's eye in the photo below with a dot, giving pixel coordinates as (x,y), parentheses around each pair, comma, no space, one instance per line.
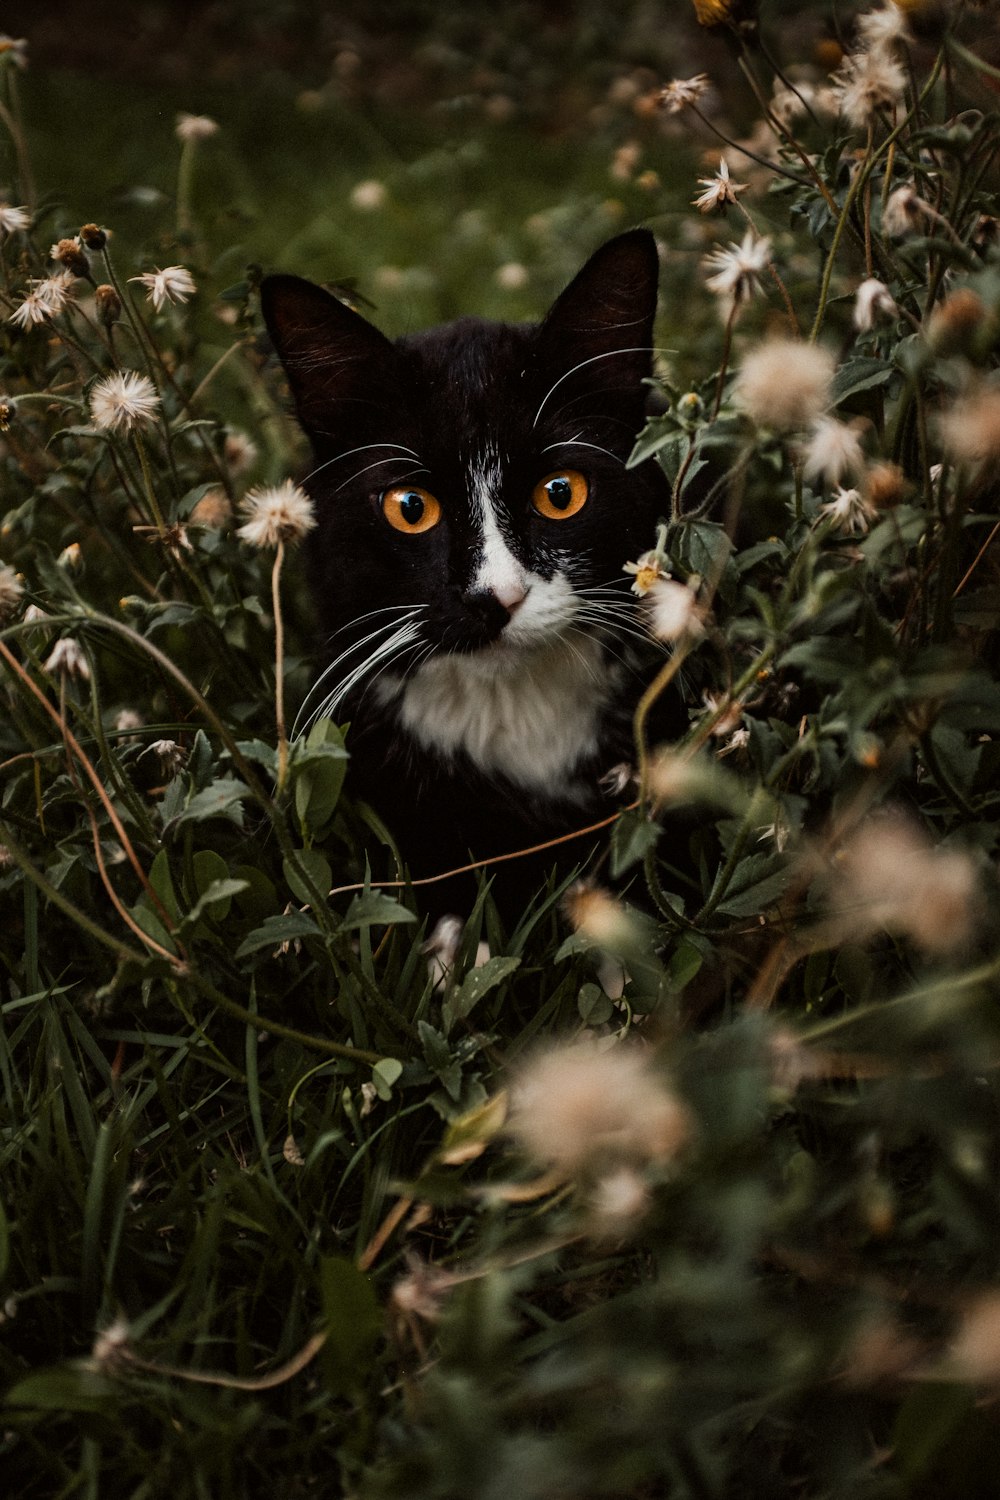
(410,509)
(560,495)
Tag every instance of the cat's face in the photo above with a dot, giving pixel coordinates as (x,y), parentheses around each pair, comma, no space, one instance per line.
(470,482)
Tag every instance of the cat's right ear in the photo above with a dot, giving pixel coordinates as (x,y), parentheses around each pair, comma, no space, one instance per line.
(332,356)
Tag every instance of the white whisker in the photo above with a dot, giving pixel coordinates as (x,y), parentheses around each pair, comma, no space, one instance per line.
(364,448)
(607,354)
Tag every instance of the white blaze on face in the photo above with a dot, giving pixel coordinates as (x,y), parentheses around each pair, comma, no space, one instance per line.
(499,572)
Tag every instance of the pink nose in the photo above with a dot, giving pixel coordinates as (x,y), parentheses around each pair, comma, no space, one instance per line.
(511,596)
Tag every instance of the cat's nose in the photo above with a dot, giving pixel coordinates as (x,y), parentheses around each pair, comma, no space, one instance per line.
(511,596)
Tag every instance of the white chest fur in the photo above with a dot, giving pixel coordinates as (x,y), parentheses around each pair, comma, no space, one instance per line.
(531,715)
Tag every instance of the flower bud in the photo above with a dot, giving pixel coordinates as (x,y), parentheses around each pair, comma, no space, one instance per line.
(94,237)
(109,304)
(70,253)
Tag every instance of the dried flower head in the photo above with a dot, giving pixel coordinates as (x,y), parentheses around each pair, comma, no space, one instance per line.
(71,557)
(873,300)
(16,48)
(681,92)
(905,211)
(56,291)
(617,1202)
(31,310)
(975,1350)
(576,1106)
(239,450)
(170,755)
(833,450)
(109,305)
(11,590)
(13,220)
(66,659)
(122,401)
(172,284)
(673,610)
(884,28)
(889,876)
(112,1344)
(869,84)
(93,236)
(599,916)
(970,428)
(647,570)
(885,485)
(213,511)
(70,253)
(849,512)
(736,272)
(719,190)
(195,127)
(281,513)
(785,384)
(955,323)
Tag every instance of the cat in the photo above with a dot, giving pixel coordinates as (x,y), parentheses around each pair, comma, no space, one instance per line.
(474,513)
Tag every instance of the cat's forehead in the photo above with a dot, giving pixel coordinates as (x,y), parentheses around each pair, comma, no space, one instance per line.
(472,374)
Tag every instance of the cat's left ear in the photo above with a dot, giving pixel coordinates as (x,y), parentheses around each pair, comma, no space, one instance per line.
(601,326)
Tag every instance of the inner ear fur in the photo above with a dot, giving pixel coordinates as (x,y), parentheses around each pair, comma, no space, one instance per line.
(330,353)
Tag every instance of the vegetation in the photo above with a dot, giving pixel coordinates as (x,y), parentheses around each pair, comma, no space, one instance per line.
(692,1187)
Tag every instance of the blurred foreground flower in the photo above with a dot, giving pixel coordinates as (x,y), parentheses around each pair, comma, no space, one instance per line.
(11,589)
(195,127)
(576,1106)
(785,384)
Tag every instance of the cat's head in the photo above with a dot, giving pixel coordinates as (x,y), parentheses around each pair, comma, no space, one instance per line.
(469,481)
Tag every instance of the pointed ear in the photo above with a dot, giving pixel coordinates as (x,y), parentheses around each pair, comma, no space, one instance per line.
(332,356)
(601,326)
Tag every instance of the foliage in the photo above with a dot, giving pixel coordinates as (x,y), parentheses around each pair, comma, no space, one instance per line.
(690,1188)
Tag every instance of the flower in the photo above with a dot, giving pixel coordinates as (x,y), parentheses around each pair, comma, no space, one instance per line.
(681,92)
(736,272)
(647,570)
(511,276)
(719,190)
(618,1201)
(833,450)
(123,400)
(32,309)
(368,196)
(905,211)
(67,660)
(673,610)
(727,712)
(868,83)
(12,219)
(11,589)
(970,429)
(71,254)
(194,127)
(599,916)
(170,755)
(889,876)
(172,284)
(957,323)
(849,512)
(575,1105)
(872,300)
(239,450)
(213,510)
(884,28)
(282,513)
(109,304)
(785,384)
(55,291)
(16,48)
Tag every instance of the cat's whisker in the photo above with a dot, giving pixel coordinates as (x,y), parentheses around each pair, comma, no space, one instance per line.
(575,443)
(330,668)
(403,637)
(605,354)
(393,459)
(364,448)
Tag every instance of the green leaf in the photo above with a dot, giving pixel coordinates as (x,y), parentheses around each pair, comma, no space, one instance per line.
(384,1074)
(593,1005)
(162,882)
(373,909)
(317,869)
(470,1133)
(477,983)
(69,1387)
(631,840)
(220,800)
(353,1323)
(860,374)
(756,885)
(215,902)
(277,930)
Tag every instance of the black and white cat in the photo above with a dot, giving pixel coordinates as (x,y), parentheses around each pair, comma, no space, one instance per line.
(474,515)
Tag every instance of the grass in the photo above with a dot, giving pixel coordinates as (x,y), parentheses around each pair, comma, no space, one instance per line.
(276,1215)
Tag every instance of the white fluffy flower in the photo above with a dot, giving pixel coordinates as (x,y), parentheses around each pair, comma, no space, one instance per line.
(123,400)
(719,190)
(736,272)
(67,660)
(172,284)
(31,310)
(872,300)
(673,610)
(12,219)
(11,589)
(276,513)
(194,127)
(849,511)
(832,451)
(785,384)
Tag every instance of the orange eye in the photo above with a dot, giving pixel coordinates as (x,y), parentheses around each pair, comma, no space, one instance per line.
(561,495)
(410,509)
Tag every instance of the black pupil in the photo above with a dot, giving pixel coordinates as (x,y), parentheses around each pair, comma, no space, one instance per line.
(411,507)
(560,493)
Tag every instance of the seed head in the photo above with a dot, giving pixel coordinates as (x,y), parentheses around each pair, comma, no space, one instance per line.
(172,284)
(93,236)
(67,659)
(673,610)
(70,253)
(213,511)
(618,1201)
(122,401)
(869,84)
(55,291)
(970,428)
(884,28)
(13,220)
(849,512)
(194,127)
(872,300)
(576,1106)
(719,190)
(905,211)
(109,305)
(832,451)
(955,323)
(170,755)
(281,513)
(681,92)
(736,272)
(785,384)
(32,309)
(885,485)
(11,589)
